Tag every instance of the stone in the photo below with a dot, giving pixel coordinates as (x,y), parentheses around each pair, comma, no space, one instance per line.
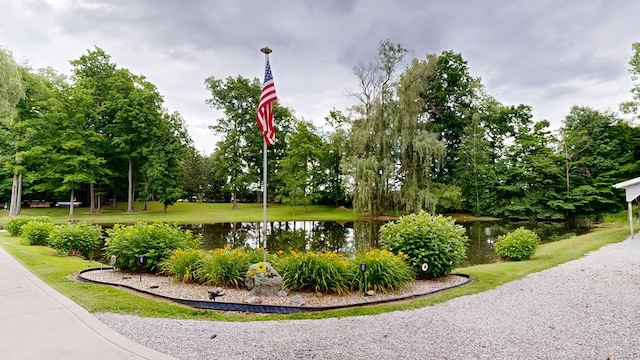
(263,280)
(371,293)
(282,293)
(254,300)
(214,293)
(297,300)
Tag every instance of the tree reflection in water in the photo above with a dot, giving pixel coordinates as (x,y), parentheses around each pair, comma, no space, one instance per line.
(350,238)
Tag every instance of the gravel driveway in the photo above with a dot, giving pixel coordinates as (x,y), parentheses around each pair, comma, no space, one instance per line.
(584,309)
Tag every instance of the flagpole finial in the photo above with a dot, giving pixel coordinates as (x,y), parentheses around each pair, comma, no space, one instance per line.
(266,50)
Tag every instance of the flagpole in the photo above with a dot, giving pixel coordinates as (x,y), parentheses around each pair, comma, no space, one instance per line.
(266,52)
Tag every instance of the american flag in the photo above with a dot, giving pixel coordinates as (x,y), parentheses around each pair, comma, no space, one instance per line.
(265,107)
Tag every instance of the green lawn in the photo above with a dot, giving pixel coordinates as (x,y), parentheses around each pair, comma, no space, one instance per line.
(59,273)
(194,213)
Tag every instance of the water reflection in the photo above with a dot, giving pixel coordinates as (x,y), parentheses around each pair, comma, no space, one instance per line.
(350,238)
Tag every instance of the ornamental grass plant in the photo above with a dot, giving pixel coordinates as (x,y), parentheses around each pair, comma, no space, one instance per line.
(315,272)
(225,267)
(384,271)
(183,264)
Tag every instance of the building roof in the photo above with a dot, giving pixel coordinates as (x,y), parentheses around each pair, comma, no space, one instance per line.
(631,188)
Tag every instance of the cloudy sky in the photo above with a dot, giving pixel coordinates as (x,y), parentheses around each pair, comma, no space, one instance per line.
(550,54)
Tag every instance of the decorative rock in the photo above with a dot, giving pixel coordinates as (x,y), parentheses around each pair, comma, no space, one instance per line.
(254,300)
(370,292)
(282,293)
(297,300)
(263,280)
(214,293)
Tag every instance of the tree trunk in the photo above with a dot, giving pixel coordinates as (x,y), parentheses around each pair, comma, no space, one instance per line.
(130,190)
(92,198)
(71,200)
(16,195)
(234,200)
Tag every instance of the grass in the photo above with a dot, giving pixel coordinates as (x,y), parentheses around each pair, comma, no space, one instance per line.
(193,213)
(58,271)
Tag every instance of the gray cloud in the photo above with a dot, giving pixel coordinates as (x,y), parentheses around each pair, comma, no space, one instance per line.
(548,54)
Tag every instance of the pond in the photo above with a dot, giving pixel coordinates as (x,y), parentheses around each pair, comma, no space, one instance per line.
(352,237)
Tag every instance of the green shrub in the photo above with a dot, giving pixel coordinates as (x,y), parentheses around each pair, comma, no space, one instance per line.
(83,239)
(15,224)
(434,240)
(225,267)
(384,272)
(518,245)
(183,265)
(36,232)
(156,241)
(324,272)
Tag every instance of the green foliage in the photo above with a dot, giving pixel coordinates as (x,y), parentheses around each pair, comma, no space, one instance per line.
(156,241)
(434,240)
(301,168)
(37,232)
(518,245)
(15,224)
(225,267)
(11,86)
(183,265)
(81,239)
(241,140)
(324,272)
(384,272)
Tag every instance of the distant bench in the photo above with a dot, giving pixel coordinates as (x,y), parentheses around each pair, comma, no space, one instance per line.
(39,204)
(68,203)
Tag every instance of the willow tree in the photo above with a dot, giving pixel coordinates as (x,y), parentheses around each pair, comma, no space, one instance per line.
(633,106)
(371,161)
(11,91)
(419,146)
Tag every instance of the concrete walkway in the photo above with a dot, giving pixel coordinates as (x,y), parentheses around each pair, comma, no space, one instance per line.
(37,322)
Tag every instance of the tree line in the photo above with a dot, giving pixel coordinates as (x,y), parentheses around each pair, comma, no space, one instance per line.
(103,131)
(424,135)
